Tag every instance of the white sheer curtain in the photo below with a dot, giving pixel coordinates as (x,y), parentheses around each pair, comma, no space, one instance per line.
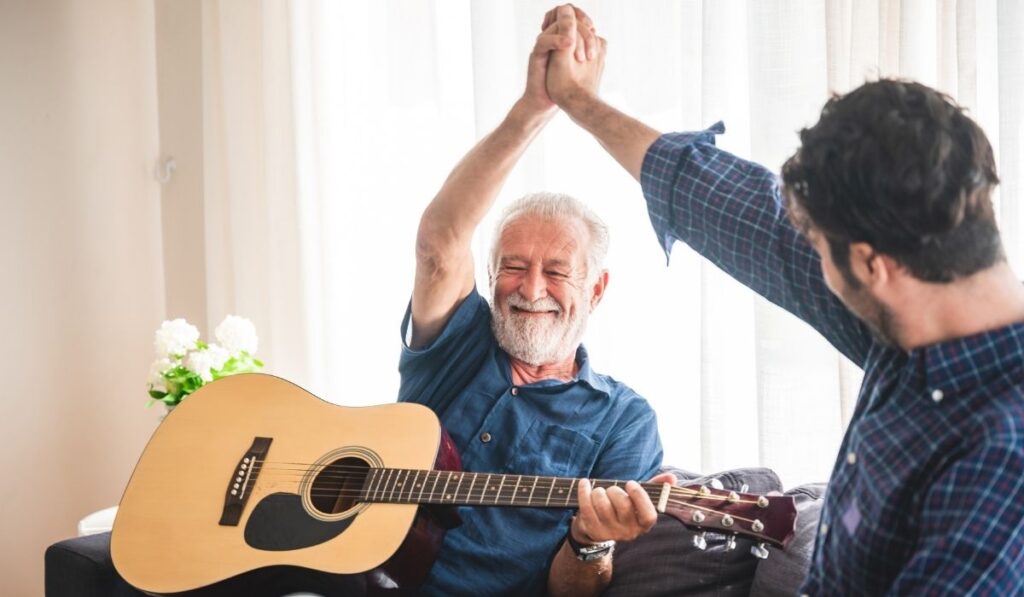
(330,125)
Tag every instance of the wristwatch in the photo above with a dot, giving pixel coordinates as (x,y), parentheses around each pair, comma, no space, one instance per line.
(588,552)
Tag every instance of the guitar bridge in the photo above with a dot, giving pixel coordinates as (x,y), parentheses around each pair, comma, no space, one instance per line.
(243,479)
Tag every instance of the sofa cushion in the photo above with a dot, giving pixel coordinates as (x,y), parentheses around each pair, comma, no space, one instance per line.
(784,571)
(665,561)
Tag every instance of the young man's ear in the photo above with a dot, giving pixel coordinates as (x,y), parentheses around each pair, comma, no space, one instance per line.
(872,268)
(597,291)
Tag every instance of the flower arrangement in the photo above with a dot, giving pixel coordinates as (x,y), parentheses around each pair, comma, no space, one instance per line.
(184,363)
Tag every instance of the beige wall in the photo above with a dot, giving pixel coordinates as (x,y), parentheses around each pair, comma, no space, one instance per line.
(80,264)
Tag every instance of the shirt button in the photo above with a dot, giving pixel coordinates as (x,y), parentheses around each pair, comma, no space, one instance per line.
(485,437)
(515,391)
(823,529)
(851,458)
(937,395)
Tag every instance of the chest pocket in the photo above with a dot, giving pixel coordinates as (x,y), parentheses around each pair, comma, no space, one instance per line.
(549,449)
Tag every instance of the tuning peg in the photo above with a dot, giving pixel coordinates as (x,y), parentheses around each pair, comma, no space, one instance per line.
(760,551)
(730,543)
(744,488)
(700,541)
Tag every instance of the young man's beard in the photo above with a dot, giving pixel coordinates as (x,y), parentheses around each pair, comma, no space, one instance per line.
(537,340)
(876,316)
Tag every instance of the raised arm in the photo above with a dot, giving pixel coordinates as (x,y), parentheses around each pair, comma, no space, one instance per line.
(728,209)
(444,262)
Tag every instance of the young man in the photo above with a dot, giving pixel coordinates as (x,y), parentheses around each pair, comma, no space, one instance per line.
(510,380)
(882,236)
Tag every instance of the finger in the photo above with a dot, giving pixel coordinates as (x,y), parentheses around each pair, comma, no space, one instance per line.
(549,18)
(589,40)
(604,511)
(546,42)
(587,518)
(583,17)
(622,507)
(567,22)
(664,478)
(646,514)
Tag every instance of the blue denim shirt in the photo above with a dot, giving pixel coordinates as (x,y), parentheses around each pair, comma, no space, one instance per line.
(927,493)
(593,427)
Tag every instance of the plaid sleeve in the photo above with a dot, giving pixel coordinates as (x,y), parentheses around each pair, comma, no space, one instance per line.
(730,211)
(972,535)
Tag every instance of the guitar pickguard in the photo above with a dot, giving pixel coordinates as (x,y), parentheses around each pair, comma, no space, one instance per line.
(280,523)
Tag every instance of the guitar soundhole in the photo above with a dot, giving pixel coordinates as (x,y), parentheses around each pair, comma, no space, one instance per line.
(336,488)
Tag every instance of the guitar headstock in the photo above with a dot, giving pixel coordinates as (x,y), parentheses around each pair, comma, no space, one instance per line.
(764,518)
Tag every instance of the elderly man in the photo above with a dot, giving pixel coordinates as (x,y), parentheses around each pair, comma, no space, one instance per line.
(510,380)
(882,236)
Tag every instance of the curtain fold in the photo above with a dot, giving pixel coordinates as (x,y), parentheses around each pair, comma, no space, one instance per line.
(329,127)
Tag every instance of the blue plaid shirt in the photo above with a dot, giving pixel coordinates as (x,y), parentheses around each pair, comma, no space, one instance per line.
(927,493)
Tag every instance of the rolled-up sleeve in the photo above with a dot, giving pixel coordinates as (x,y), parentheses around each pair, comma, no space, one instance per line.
(730,210)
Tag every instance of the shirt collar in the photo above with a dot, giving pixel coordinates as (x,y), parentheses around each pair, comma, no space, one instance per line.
(587,375)
(991,359)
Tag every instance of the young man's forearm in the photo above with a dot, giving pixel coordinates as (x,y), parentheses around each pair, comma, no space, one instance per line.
(624,137)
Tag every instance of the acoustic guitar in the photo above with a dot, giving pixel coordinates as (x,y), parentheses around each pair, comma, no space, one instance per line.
(253,472)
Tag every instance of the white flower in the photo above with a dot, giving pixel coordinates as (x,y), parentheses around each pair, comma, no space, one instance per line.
(237,334)
(201,362)
(175,338)
(156,373)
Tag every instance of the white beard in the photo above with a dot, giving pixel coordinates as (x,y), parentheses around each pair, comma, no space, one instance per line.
(538,340)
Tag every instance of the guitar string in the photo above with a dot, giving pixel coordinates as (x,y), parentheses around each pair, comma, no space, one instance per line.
(681,503)
(650,487)
(482,494)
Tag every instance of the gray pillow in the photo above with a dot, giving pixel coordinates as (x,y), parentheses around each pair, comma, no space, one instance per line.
(784,571)
(665,561)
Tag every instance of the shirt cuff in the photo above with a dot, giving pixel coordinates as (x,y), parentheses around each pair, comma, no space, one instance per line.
(658,176)
(462,318)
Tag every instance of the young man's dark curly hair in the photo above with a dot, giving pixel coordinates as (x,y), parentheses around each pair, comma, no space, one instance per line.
(898,166)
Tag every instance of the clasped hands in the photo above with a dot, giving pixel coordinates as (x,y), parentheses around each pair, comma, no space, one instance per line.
(566,62)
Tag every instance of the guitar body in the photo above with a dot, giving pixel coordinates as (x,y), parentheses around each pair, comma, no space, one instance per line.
(285,454)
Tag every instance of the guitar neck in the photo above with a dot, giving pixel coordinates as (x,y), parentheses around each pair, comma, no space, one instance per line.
(406,486)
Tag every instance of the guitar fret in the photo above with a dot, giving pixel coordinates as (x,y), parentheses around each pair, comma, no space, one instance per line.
(423,485)
(381,477)
(497,495)
(568,494)
(515,490)
(470,490)
(444,490)
(391,471)
(550,489)
(415,482)
(529,500)
(455,496)
(433,488)
(399,479)
(484,492)
(371,478)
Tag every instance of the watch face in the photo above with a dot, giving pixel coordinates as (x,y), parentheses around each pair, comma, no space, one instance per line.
(596,551)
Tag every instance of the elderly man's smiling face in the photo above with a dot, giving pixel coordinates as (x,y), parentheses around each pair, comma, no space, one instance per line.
(541,295)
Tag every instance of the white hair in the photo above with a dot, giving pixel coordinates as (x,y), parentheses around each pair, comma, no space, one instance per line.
(555,206)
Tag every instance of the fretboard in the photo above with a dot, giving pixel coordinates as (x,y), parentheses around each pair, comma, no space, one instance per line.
(405,486)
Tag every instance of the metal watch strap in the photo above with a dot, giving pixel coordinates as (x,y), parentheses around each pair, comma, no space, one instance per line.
(589,552)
